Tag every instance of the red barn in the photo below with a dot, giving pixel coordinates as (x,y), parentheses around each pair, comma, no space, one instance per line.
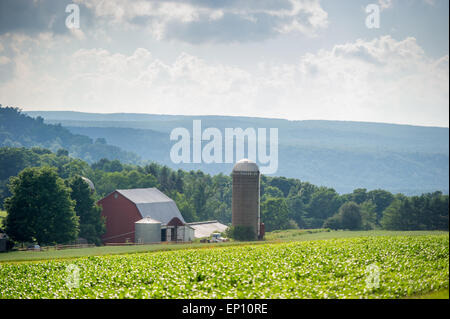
(123,207)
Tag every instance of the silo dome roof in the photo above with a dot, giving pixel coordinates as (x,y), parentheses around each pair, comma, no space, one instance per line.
(89,182)
(245,165)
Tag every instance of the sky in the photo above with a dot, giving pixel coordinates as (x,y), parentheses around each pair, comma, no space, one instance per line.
(291,59)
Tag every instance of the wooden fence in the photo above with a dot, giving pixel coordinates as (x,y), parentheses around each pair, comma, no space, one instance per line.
(124,244)
(157,243)
(61,247)
(58,247)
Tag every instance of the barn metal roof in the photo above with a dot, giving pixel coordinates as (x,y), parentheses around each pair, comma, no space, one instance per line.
(144,195)
(206,229)
(152,203)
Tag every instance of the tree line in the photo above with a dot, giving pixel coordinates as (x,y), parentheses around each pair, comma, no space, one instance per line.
(285,202)
(46,209)
(20,130)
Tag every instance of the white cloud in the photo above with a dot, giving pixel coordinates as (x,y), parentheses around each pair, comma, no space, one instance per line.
(254,19)
(4,59)
(386,4)
(317,19)
(382,80)
(78,33)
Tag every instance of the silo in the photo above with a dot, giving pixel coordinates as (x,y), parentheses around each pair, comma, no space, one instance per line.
(147,231)
(89,182)
(245,200)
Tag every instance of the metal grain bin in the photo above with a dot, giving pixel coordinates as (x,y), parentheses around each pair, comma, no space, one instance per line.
(245,202)
(147,231)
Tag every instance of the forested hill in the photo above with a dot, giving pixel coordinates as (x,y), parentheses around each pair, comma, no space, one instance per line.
(285,203)
(342,155)
(20,130)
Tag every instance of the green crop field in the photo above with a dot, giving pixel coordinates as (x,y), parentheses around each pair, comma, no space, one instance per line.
(362,267)
(275,236)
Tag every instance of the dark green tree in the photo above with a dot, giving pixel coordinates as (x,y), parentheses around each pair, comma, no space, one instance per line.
(428,211)
(324,203)
(368,215)
(359,195)
(275,214)
(272,191)
(199,198)
(92,225)
(438,208)
(179,181)
(62,152)
(152,168)
(350,216)
(382,199)
(333,222)
(282,183)
(186,208)
(40,208)
(296,210)
(397,215)
(164,178)
(241,233)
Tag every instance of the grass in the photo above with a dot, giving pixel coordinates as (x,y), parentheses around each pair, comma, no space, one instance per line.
(441,294)
(23,256)
(276,236)
(318,234)
(292,234)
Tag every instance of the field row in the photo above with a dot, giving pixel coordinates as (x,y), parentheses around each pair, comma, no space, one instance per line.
(370,267)
(275,236)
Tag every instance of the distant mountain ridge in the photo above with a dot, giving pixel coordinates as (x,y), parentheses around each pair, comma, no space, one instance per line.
(20,130)
(432,139)
(342,155)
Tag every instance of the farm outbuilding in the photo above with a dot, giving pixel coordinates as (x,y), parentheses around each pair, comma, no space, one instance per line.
(142,215)
(176,230)
(207,228)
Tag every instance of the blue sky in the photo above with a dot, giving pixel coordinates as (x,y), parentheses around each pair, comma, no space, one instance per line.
(294,59)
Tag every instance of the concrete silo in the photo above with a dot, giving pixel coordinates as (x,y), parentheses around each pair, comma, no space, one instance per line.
(245,201)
